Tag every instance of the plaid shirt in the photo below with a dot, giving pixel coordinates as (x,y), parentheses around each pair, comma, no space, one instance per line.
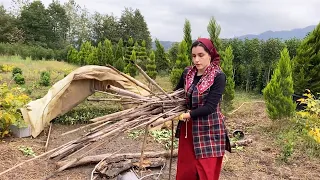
(209,132)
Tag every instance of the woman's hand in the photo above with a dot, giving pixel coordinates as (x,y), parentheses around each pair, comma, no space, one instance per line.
(186,115)
(183,116)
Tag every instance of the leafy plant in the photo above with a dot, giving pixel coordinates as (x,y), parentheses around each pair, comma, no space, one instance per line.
(45,78)
(287,149)
(27,151)
(11,99)
(19,79)
(16,70)
(310,116)
(135,134)
(164,137)
(6,68)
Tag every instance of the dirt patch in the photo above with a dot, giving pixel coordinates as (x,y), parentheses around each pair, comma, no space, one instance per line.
(256,161)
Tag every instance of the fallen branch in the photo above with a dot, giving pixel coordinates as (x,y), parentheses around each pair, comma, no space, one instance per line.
(243,104)
(94,169)
(97,158)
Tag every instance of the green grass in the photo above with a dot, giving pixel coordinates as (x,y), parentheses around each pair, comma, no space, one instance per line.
(293,140)
(31,70)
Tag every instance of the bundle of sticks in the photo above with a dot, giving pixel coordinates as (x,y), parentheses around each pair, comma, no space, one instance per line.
(151,113)
(148,112)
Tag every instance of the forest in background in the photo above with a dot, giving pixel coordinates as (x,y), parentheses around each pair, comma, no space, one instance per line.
(69,32)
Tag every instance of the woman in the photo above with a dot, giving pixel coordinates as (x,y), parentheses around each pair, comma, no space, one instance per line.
(202,134)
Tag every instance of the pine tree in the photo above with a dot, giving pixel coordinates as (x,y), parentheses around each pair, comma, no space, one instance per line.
(119,52)
(120,64)
(72,56)
(227,67)
(93,56)
(131,68)
(151,66)
(214,30)
(128,50)
(306,68)
(85,50)
(119,56)
(187,37)
(109,58)
(181,63)
(101,54)
(161,59)
(278,92)
(142,56)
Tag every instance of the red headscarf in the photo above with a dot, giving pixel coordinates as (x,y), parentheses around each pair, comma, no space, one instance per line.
(215,57)
(208,76)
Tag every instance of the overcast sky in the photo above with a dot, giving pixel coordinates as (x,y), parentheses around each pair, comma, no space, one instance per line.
(165,18)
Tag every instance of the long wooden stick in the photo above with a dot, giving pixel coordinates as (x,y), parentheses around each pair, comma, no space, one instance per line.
(125,92)
(137,83)
(47,143)
(152,81)
(243,104)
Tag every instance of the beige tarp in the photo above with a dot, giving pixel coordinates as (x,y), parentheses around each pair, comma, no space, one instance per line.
(71,91)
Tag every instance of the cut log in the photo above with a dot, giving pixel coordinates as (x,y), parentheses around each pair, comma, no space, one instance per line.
(117,157)
(112,170)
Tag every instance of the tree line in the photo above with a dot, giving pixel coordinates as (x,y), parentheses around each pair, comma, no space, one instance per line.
(69,32)
(51,31)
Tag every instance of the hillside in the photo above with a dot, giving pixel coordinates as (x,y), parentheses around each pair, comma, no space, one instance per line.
(298,33)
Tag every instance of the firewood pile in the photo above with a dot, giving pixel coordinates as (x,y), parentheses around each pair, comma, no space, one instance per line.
(149,111)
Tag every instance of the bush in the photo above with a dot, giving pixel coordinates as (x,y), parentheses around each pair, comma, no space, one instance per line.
(6,68)
(35,52)
(310,116)
(19,79)
(11,100)
(45,78)
(16,70)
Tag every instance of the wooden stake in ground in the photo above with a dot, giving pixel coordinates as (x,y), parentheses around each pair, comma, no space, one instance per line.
(47,143)
(143,147)
(172,138)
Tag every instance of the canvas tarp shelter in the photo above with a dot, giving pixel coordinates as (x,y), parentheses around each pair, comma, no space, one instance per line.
(72,90)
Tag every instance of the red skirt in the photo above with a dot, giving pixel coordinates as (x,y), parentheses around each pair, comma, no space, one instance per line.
(190,168)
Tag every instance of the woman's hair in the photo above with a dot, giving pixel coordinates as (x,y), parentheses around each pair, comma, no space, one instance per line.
(198,43)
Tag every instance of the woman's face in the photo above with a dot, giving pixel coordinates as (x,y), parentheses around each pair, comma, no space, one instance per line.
(200,58)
